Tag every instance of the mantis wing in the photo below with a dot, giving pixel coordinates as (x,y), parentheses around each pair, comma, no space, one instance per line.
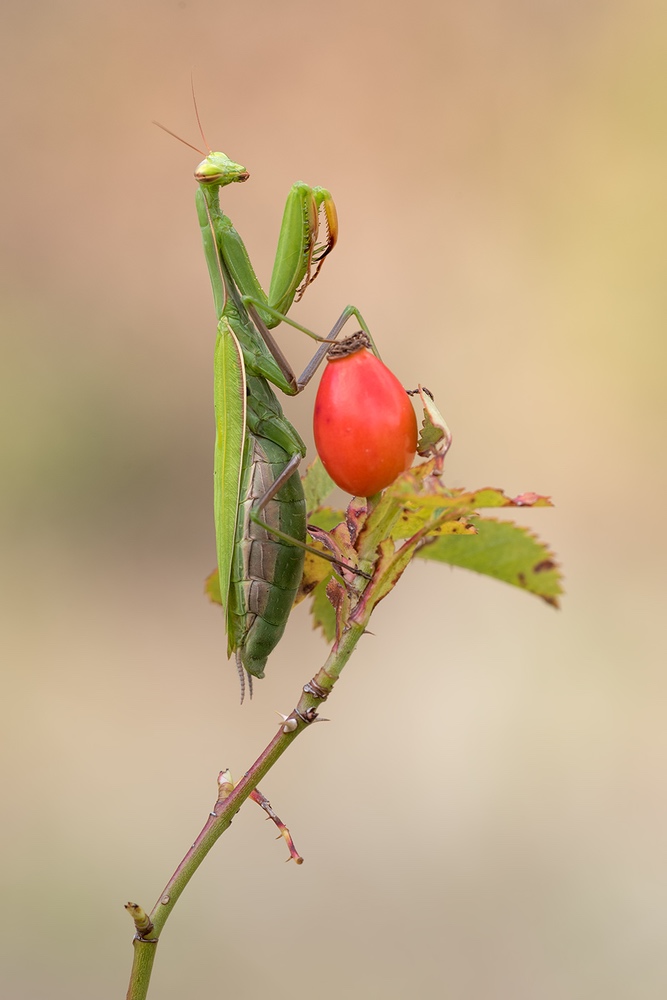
(229,395)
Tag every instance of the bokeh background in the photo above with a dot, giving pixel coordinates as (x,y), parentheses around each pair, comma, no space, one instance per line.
(485,815)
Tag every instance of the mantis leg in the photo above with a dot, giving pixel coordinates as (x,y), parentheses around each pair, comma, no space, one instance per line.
(275,487)
(302,381)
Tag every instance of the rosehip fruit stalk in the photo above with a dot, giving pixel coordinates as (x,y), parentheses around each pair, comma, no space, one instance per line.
(365,426)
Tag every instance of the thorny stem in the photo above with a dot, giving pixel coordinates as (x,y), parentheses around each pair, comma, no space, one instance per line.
(149,926)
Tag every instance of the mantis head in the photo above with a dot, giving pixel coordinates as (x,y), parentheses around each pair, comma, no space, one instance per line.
(217,170)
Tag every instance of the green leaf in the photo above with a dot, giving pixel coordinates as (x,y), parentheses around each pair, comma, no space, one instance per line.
(324,615)
(317,485)
(326,517)
(502,550)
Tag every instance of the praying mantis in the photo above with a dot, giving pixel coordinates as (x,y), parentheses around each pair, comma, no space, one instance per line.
(259,505)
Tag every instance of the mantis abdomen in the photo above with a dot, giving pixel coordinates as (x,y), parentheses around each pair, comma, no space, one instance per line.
(266,572)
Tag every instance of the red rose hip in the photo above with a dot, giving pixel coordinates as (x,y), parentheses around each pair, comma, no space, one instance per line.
(365,426)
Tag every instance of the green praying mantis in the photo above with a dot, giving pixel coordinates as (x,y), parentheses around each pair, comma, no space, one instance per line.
(259,505)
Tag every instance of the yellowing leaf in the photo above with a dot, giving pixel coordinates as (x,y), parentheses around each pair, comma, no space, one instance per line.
(314,571)
(212,587)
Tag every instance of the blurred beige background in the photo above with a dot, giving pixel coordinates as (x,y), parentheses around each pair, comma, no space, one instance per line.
(485,815)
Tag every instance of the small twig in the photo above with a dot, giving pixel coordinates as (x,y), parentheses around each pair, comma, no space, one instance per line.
(262,801)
